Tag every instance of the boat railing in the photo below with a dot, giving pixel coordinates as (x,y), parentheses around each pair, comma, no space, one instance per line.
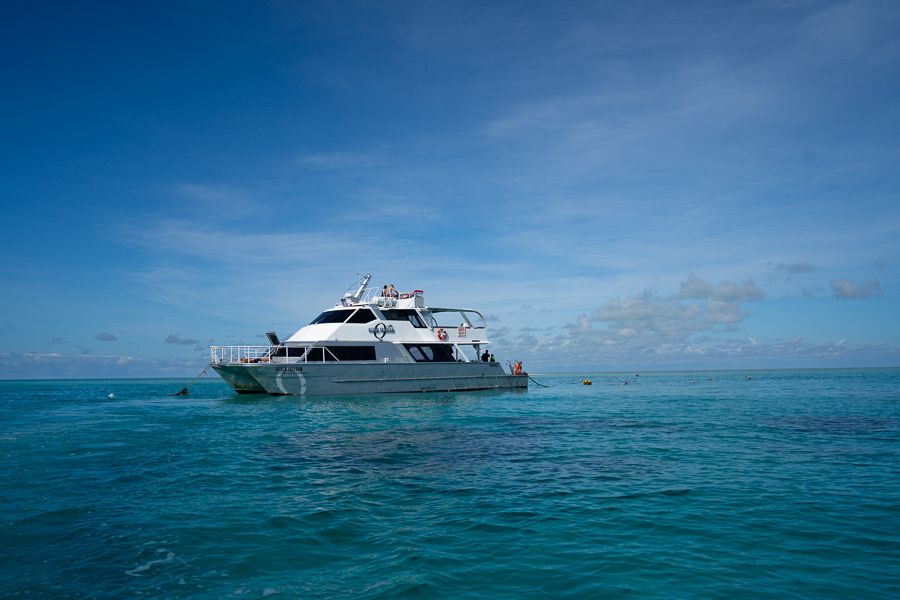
(268,354)
(239,354)
(405,299)
(464,334)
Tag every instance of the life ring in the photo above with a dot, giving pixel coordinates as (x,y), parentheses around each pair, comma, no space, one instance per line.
(379,331)
(441,334)
(517,368)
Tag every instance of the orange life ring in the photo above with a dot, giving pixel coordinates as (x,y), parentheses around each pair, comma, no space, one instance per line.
(517,368)
(441,334)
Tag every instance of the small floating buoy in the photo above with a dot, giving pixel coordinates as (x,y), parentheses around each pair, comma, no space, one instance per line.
(111,396)
(586,382)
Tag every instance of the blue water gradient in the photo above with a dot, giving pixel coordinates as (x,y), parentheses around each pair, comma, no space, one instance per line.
(783,484)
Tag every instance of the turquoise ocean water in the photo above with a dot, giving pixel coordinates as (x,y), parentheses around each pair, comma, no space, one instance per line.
(675,485)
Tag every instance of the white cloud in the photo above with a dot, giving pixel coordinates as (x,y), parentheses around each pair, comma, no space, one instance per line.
(176,339)
(727,291)
(844,288)
(650,328)
(694,287)
(341,160)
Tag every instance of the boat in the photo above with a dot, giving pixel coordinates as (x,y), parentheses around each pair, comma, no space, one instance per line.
(372,341)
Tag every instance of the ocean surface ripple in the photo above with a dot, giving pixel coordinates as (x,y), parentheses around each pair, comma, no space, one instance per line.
(716,484)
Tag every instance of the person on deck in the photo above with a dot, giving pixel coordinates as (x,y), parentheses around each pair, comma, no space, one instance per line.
(486,356)
(392,291)
(491,359)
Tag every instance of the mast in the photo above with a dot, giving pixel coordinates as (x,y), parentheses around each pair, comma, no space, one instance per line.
(354,297)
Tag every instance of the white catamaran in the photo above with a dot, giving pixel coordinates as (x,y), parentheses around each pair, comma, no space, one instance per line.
(372,341)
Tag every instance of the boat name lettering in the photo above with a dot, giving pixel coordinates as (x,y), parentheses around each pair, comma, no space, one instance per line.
(387,328)
(290,370)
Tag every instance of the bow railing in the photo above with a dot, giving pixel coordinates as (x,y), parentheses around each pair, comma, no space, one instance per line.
(239,354)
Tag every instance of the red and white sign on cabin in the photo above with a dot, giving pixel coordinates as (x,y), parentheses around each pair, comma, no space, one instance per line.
(461,331)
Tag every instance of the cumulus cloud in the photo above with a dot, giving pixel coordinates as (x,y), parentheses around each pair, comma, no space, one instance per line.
(176,339)
(718,311)
(695,288)
(844,288)
(105,337)
(694,328)
(649,327)
(500,333)
(728,291)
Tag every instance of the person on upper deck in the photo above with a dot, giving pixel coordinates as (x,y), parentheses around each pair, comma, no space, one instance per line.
(384,291)
(486,356)
(392,291)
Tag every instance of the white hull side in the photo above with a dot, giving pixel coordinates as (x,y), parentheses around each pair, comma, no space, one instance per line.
(342,379)
(239,377)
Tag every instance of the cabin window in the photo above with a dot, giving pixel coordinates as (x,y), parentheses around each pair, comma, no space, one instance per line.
(342,353)
(288,351)
(363,315)
(352,352)
(431,352)
(314,355)
(331,316)
(404,315)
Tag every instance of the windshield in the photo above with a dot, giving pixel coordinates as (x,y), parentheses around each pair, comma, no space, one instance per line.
(331,316)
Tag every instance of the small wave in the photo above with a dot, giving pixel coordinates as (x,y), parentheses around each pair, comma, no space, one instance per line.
(666,492)
(56,517)
(284,522)
(136,572)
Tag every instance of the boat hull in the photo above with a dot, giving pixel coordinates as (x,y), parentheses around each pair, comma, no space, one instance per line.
(240,378)
(342,379)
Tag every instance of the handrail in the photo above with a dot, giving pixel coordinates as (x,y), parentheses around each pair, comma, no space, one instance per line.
(265,354)
(239,354)
(375,292)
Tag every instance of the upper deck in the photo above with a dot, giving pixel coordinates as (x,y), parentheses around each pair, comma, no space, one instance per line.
(367,316)
(376,297)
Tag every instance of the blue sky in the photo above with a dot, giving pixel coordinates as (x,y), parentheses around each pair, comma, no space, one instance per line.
(634,185)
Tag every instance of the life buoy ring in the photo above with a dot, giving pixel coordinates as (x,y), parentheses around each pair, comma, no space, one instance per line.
(517,368)
(441,334)
(379,331)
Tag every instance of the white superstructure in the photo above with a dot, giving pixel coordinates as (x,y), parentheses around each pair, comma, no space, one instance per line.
(372,341)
